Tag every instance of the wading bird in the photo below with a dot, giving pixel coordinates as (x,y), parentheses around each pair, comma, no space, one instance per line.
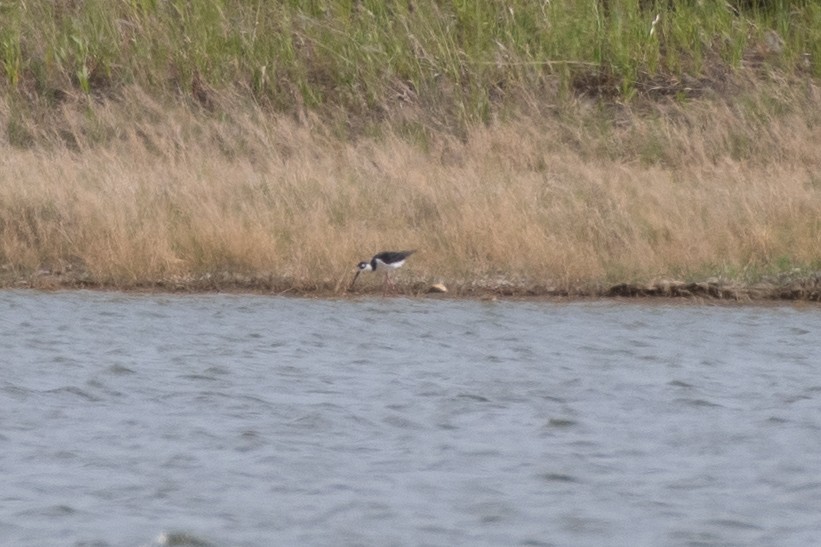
(384,261)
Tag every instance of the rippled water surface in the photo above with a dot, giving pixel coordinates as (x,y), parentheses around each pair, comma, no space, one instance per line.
(250,420)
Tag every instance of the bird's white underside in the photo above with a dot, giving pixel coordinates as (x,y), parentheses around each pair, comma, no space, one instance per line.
(383,265)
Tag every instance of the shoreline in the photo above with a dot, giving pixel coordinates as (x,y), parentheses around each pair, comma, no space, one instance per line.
(564,153)
(799,288)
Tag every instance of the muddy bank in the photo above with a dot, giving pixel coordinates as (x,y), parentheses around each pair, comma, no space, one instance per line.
(807,289)
(785,287)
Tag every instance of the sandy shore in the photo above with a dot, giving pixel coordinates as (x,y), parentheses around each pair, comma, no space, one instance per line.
(798,286)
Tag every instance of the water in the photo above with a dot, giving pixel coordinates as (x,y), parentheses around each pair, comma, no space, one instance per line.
(250,420)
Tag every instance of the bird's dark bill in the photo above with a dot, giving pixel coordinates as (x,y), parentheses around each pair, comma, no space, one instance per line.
(354,278)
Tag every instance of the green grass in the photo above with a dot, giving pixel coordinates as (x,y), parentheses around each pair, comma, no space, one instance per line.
(459,60)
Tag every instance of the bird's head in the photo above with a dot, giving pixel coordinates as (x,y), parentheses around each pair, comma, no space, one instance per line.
(361,267)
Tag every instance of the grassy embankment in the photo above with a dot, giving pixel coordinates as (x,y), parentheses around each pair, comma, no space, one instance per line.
(520,146)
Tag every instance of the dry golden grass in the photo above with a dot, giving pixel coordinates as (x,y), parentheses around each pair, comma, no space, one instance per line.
(553,202)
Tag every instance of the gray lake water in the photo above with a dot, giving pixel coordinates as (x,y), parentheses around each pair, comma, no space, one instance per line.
(248,420)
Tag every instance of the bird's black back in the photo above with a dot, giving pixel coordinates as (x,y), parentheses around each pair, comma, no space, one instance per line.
(391,257)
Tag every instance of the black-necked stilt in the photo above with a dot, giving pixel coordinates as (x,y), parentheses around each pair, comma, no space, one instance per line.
(387,261)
